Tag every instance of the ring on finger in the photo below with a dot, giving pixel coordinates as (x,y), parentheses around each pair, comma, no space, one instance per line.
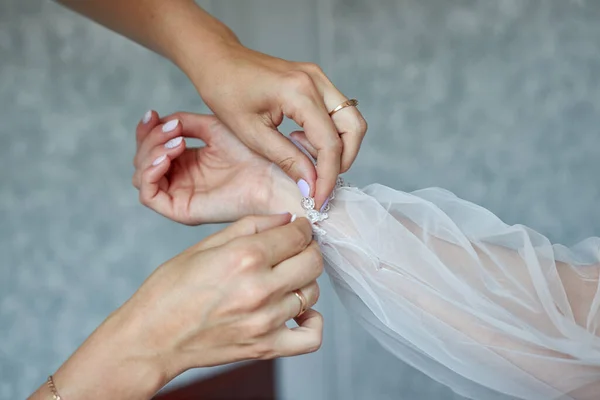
(347,103)
(303,302)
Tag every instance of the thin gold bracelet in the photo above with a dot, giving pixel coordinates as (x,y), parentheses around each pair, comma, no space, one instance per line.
(55,395)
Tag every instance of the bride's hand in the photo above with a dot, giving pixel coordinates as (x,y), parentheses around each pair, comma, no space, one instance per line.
(220,182)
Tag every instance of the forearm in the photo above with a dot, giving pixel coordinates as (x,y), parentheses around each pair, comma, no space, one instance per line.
(109,365)
(170,28)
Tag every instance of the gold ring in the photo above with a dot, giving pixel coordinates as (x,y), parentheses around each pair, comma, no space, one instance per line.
(302,299)
(347,103)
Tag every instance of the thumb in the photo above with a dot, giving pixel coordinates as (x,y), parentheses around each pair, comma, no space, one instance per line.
(275,147)
(244,227)
(196,126)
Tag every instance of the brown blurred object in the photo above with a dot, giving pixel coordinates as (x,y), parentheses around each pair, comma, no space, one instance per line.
(254,381)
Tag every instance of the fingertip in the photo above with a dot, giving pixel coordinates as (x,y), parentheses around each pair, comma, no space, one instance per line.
(324,190)
(154,173)
(146,124)
(159,160)
(172,126)
(175,145)
(303,170)
(147,116)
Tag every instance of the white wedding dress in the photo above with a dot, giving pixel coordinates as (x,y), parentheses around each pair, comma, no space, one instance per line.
(447,287)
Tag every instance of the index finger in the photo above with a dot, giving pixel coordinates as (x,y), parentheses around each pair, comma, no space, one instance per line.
(278,244)
(246,226)
(308,110)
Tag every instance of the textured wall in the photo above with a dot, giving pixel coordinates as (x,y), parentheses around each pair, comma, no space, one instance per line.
(497,101)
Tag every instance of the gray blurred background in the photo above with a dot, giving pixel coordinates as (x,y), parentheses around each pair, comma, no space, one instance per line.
(497,101)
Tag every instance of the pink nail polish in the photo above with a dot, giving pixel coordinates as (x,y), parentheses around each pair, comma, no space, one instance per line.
(159,160)
(304,188)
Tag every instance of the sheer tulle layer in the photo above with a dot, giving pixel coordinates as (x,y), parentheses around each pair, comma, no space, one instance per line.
(478,305)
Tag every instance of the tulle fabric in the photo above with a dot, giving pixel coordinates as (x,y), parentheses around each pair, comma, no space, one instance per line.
(490,310)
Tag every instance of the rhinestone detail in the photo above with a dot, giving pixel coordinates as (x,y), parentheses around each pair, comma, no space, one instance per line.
(314,216)
(308,203)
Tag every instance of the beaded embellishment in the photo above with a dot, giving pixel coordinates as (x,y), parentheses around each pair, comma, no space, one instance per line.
(316,216)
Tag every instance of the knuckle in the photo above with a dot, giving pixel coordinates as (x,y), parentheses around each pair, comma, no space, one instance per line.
(357,126)
(135,179)
(300,81)
(258,326)
(313,69)
(247,224)
(317,294)
(362,125)
(287,164)
(346,164)
(251,295)
(144,200)
(249,257)
(316,258)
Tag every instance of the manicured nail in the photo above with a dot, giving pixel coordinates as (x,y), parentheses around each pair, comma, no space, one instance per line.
(147,117)
(324,205)
(293,218)
(159,160)
(169,126)
(171,144)
(304,188)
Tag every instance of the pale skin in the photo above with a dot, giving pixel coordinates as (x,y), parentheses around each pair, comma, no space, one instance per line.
(250,92)
(223,300)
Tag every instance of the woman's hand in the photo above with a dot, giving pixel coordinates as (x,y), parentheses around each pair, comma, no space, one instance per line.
(252,92)
(225,299)
(220,182)
(249,91)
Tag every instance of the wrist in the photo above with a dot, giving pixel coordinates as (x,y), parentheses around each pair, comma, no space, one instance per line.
(111,364)
(284,196)
(201,40)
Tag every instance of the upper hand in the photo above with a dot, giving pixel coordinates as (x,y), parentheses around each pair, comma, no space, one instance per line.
(220,182)
(251,93)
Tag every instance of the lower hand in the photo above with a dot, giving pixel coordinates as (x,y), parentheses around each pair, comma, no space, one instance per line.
(225,299)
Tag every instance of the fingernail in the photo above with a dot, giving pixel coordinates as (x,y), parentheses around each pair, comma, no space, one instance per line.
(169,126)
(324,205)
(293,218)
(159,160)
(171,144)
(147,117)
(304,188)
